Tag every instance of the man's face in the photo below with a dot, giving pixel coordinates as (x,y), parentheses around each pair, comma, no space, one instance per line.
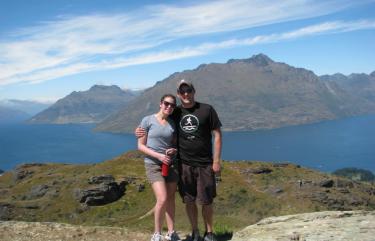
(186,95)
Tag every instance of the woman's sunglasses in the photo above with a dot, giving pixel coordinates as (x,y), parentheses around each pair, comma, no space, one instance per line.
(166,104)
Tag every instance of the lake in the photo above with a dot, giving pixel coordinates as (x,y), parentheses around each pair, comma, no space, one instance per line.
(324,146)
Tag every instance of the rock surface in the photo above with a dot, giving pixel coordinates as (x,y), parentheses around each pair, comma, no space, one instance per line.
(318,226)
(328,225)
(106,192)
(35,231)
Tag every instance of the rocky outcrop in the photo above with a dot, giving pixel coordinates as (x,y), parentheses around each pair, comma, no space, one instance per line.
(25,170)
(328,225)
(106,192)
(258,170)
(5,211)
(101,179)
(20,174)
(326,183)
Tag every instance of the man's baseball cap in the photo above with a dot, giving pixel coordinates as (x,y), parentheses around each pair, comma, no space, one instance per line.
(184,82)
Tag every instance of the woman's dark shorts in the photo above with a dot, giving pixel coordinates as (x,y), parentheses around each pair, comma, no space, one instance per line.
(153,173)
(197,184)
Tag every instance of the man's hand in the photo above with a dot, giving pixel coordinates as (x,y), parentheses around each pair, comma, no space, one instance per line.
(171,152)
(216,166)
(139,132)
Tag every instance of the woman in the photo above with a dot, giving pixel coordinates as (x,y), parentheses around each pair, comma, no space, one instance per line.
(159,146)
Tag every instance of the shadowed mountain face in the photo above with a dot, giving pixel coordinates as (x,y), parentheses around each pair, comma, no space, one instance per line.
(248,94)
(89,106)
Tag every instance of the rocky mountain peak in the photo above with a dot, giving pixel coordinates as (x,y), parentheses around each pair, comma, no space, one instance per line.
(104,87)
(258,59)
(334,77)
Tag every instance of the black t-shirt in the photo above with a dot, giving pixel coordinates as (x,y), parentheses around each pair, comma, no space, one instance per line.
(194,127)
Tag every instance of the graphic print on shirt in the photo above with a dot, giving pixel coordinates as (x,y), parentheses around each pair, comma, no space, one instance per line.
(189,123)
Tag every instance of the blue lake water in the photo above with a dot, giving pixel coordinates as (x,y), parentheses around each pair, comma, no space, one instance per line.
(325,146)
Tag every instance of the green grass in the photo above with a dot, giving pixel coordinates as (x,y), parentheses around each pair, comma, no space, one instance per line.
(243,198)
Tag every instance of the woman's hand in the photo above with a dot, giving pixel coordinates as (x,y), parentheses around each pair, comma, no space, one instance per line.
(164,159)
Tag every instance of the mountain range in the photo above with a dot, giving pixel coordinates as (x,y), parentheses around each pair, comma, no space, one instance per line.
(89,106)
(12,110)
(257,93)
(360,85)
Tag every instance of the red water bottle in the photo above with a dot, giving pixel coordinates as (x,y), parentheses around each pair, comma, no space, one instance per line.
(164,170)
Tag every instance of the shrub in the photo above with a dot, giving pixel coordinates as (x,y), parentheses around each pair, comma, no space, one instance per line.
(355,174)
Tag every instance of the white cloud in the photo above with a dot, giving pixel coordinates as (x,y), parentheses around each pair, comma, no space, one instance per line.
(80,44)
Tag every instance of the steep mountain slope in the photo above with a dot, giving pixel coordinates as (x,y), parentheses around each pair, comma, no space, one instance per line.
(359,85)
(89,106)
(254,93)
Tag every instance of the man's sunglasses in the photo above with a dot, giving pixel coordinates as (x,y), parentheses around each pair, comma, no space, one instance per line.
(166,103)
(185,90)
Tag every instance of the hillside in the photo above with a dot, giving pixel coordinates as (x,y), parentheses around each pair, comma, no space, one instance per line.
(89,106)
(248,94)
(249,192)
(9,115)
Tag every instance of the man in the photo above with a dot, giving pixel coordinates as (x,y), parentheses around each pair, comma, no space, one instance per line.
(196,123)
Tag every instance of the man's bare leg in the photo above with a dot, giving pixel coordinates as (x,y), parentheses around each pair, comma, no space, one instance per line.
(207,213)
(192,212)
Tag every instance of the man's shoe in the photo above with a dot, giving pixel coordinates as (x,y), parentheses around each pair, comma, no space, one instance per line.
(195,236)
(172,236)
(209,237)
(157,237)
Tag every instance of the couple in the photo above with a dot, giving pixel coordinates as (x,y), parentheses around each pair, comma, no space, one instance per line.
(188,128)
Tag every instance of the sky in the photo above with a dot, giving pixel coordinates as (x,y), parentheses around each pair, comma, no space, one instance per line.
(49,49)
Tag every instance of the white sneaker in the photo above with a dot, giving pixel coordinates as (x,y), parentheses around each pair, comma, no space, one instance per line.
(172,236)
(157,237)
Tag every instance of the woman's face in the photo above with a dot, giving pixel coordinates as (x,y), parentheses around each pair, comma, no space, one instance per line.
(167,105)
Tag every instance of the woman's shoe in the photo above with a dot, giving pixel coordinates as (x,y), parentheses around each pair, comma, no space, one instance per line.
(157,237)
